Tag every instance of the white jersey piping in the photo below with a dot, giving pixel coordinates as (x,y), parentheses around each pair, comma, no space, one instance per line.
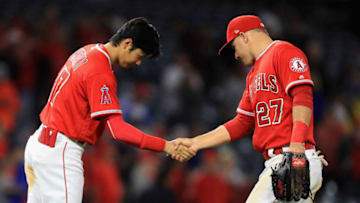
(245,112)
(107,56)
(263,52)
(105,112)
(298,82)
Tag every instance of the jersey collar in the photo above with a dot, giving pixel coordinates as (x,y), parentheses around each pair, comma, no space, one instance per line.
(263,52)
(102,49)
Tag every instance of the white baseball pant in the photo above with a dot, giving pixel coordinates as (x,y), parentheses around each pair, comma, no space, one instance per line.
(54,174)
(263,192)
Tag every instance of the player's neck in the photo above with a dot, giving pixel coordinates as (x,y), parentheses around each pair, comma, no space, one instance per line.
(261,44)
(112,52)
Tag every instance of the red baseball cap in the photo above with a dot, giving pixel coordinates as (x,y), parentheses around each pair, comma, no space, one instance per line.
(241,24)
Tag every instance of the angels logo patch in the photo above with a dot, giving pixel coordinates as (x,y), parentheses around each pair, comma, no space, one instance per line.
(298,65)
(105,97)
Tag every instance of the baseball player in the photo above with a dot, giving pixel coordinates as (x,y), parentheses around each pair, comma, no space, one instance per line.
(82,103)
(277,104)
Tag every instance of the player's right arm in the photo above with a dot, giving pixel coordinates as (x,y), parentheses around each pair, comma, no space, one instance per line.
(124,132)
(127,133)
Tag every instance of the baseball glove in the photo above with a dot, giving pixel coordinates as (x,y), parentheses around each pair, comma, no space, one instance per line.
(291,178)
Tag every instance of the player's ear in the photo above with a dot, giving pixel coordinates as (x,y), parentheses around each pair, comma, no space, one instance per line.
(127,43)
(244,37)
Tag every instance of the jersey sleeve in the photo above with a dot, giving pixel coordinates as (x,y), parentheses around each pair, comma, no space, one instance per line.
(101,90)
(292,67)
(245,107)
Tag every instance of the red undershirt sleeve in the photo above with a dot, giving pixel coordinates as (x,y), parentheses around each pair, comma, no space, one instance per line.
(240,126)
(302,96)
(127,133)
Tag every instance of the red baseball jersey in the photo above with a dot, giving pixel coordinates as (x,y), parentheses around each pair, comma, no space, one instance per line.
(266,98)
(84,90)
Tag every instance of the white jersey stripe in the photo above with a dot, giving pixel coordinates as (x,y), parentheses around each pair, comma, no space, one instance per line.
(102,51)
(98,113)
(297,82)
(245,112)
(263,52)
(111,131)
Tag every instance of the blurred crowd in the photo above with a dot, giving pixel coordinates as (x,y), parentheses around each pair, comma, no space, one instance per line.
(188,91)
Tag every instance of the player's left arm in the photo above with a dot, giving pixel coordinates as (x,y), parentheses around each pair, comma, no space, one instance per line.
(295,178)
(294,75)
(302,96)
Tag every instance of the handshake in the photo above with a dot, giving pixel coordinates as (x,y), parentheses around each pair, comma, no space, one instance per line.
(181,149)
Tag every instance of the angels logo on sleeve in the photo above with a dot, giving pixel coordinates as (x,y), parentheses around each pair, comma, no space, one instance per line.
(298,65)
(105,97)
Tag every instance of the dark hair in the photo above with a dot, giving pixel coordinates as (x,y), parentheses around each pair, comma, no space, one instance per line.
(144,36)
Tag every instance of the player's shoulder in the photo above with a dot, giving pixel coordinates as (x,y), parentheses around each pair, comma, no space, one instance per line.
(281,46)
(98,59)
(284,48)
(89,62)
(98,54)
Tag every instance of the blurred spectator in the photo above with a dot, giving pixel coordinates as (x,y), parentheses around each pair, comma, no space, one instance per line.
(239,183)
(208,183)
(177,178)
(273,23)
(89,29)
(51,52)
(144,173)
(9,107)
(160,192)
(354,183)
(103,181)
(334,128)
(13,187)
(183,87)
(9,100)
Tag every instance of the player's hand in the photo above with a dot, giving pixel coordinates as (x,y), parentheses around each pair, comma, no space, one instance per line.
(181,153)
(182,143)
(322,158)
(297,148)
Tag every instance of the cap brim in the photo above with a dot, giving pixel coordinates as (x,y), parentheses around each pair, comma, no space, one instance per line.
(222,48)
(226,48)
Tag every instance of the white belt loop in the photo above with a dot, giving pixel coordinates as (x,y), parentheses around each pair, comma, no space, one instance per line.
(271,152)
(285,149)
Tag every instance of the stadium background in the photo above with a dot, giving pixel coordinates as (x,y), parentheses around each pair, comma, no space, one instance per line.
(187,91)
